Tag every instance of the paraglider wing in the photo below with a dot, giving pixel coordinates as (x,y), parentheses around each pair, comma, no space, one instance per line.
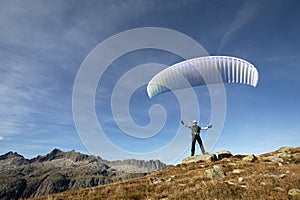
(203,71)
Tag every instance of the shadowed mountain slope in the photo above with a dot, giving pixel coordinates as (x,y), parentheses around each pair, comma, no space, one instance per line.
(60,171)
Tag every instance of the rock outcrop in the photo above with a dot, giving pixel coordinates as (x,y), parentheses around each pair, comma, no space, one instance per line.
(294,192)
(250,158)
(223,154)
(216,172)
(196,158)
(59,171)
(208,157)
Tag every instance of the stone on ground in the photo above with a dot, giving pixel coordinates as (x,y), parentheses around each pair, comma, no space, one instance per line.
(216,172)
(196,158)
(223,154)
(250,158)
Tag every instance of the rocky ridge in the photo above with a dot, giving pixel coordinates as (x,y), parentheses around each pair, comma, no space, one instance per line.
(59,171)
(136,166)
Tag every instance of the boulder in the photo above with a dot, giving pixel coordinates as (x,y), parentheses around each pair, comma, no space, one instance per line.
(156,180)
(230,182)
(275,175)
(196,158)
(250,158)
(284,155)
(294,192)
(216,172)
(274,158)
(237,171)
(280,189)
(284,152)
(171,178)
(223,154)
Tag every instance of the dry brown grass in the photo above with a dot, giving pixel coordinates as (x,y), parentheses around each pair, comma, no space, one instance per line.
(188,182)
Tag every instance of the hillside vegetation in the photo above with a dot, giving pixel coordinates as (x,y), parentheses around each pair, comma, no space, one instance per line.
(274,175)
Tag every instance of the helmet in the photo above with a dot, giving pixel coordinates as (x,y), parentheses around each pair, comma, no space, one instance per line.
(194,121)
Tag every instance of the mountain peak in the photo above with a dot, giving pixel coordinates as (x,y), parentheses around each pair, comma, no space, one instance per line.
(11,158)
(71,155)
(9,155)
(54,154)
(55,151)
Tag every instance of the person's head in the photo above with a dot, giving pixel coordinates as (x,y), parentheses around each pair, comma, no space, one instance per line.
(195,122)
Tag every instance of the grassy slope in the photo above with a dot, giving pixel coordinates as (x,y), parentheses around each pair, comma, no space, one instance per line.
(187,181)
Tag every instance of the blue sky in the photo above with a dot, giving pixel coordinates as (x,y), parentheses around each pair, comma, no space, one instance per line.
(44,43)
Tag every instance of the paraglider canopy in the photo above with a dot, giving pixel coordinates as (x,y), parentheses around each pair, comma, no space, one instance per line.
(203,71)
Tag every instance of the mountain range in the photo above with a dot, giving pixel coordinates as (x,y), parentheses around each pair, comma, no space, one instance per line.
(60,171)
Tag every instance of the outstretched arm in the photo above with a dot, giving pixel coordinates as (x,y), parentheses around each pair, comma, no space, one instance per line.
(184,124)
(206,127)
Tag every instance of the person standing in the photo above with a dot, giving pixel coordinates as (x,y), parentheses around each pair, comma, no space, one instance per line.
(196,135)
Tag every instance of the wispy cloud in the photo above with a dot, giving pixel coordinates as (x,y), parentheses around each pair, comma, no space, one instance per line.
(28,80)
(243,16)
(42,46)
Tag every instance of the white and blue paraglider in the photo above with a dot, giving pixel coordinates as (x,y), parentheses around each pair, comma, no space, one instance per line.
(203,71)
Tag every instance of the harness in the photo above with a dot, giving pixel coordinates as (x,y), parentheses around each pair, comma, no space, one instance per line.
(195,130)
